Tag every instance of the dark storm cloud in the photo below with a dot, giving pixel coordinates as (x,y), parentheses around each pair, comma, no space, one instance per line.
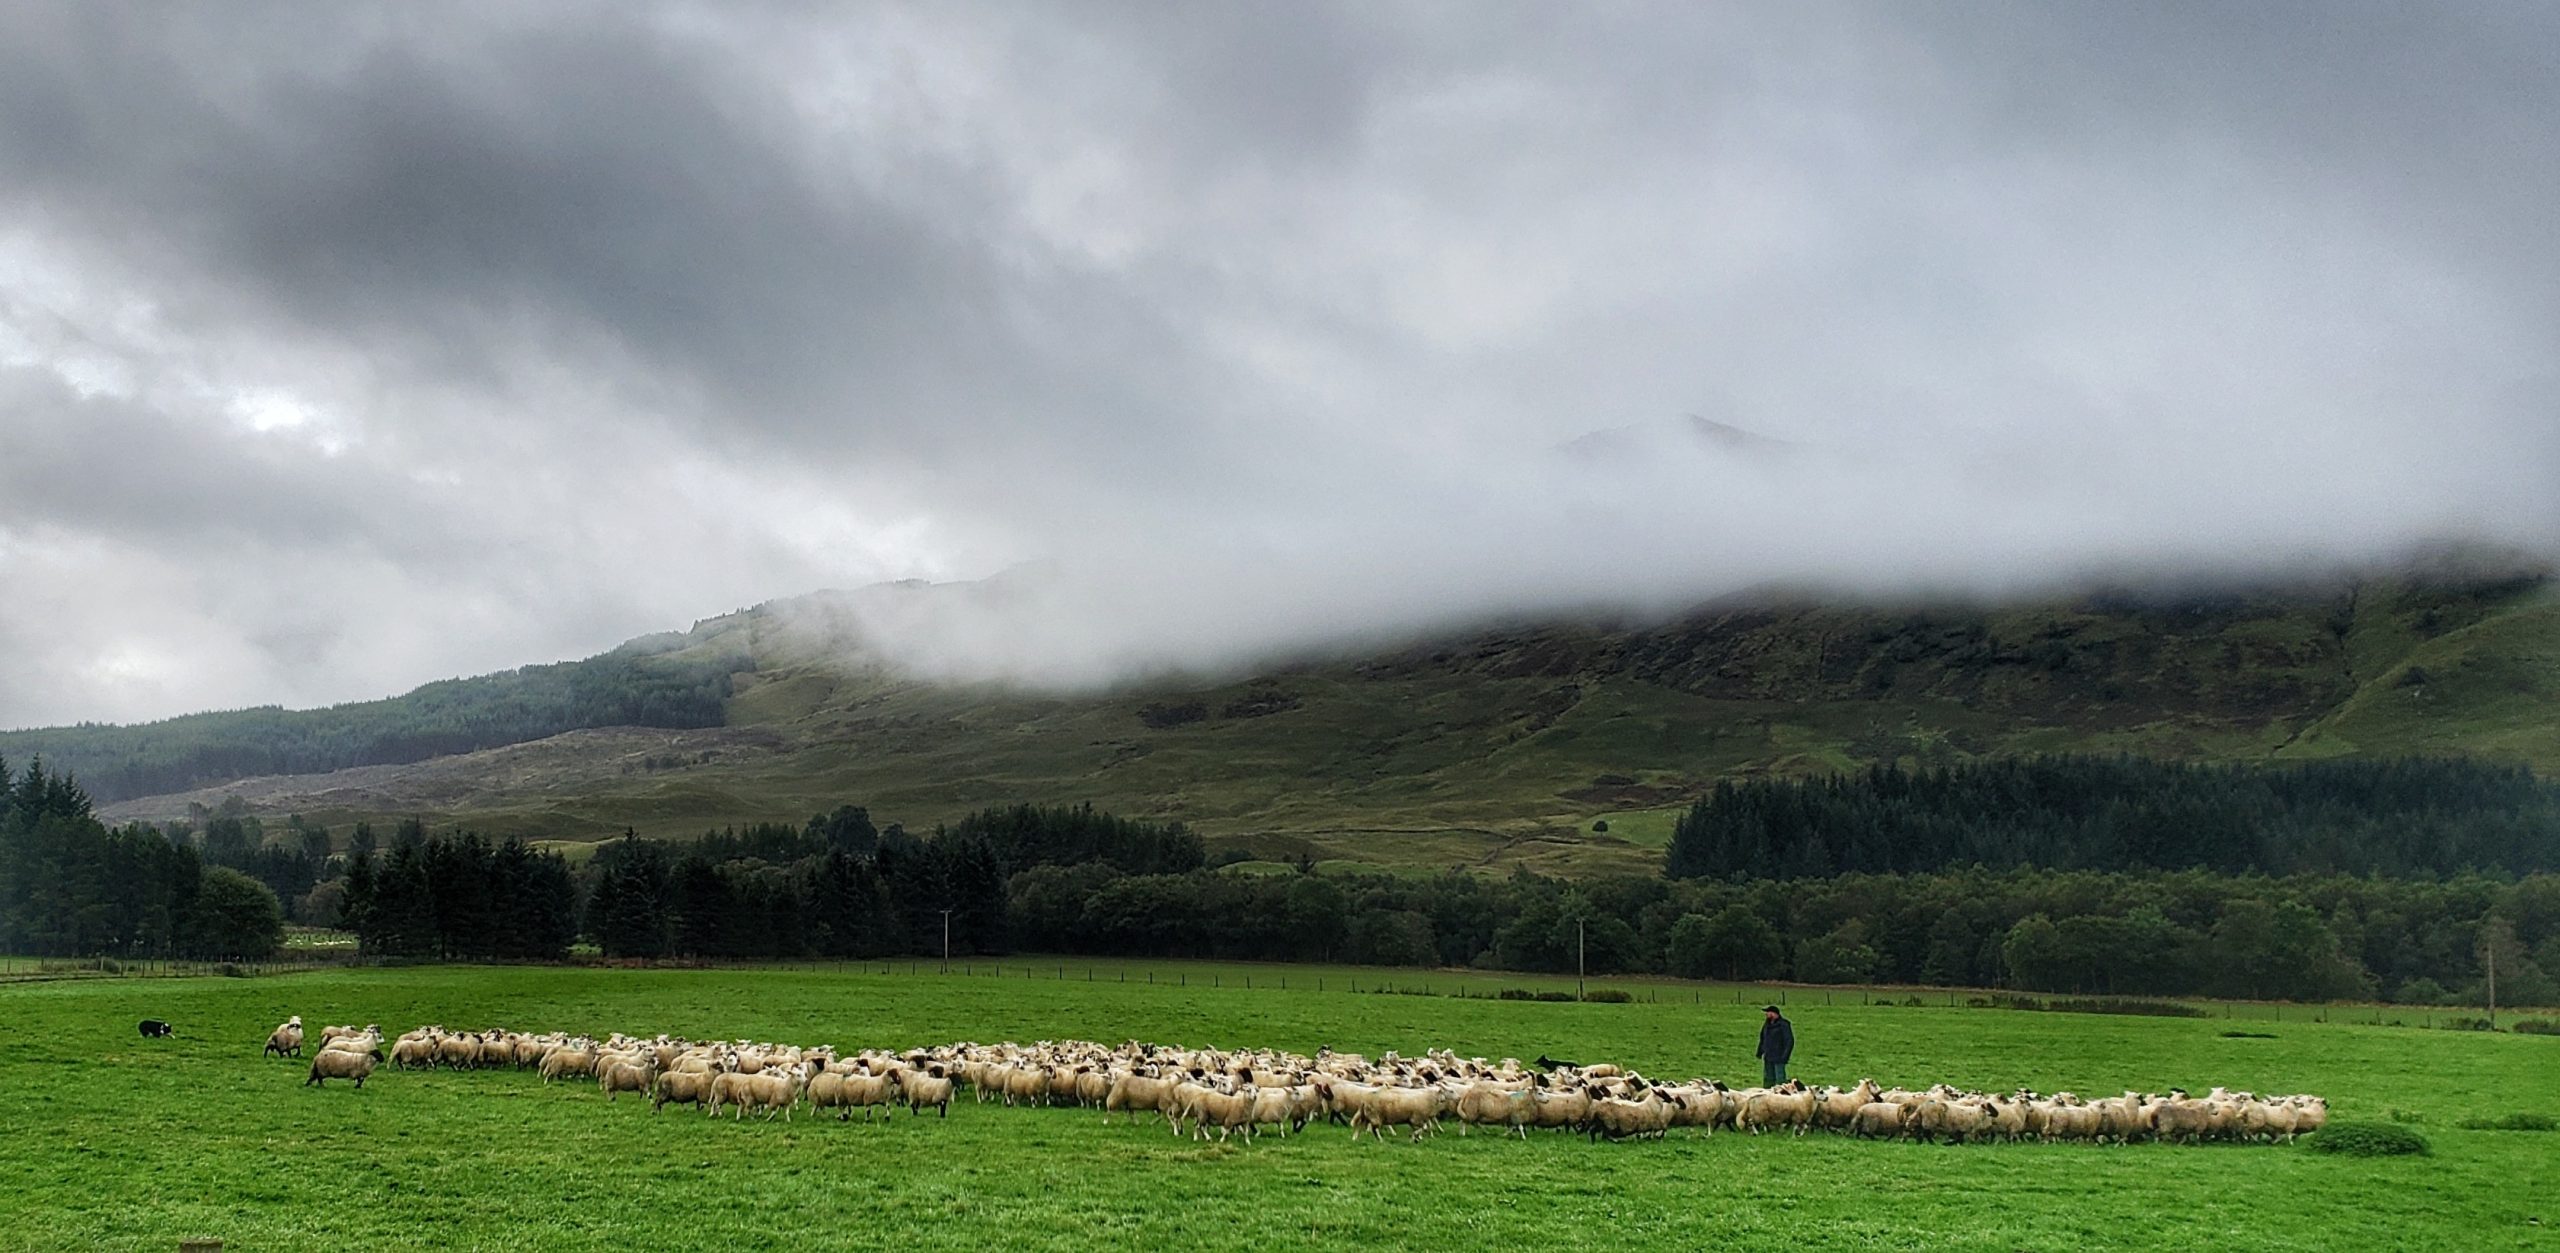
(526,327)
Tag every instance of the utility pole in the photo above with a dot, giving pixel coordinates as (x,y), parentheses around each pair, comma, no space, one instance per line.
(2492,954)
(946,941)
(1577,959)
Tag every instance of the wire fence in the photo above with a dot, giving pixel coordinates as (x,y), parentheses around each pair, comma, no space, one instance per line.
(43,969)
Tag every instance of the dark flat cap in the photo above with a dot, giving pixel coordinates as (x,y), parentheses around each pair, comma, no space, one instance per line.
(1768,1009)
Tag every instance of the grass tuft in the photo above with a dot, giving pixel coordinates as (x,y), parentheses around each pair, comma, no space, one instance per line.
(2513,1122)
(2368,1139)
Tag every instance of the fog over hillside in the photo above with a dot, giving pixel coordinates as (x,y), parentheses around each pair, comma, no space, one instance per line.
(345,347)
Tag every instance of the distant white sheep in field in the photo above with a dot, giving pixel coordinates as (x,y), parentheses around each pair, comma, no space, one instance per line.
(1249,1090)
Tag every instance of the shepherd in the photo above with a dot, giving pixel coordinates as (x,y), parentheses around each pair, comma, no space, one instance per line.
(1777,1044)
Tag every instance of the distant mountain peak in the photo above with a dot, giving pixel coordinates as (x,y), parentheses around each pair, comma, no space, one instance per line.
(1687,433)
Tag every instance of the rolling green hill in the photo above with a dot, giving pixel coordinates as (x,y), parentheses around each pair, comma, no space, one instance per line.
(1508,745)
(636,684)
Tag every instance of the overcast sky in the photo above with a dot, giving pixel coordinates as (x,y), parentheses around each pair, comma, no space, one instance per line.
(347,347)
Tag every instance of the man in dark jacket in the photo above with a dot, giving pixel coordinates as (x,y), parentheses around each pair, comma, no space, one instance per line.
(1777,1044)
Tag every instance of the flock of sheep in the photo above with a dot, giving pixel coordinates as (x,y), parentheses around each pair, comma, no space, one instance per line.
(1247,1092)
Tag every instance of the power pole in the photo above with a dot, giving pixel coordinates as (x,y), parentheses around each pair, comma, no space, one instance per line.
(2492,955)
(1577,959)
(946,941)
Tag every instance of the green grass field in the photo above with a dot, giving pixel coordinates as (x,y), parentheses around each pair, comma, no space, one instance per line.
(121,1142)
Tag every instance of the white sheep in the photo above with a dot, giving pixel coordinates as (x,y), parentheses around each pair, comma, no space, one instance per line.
(286,1040)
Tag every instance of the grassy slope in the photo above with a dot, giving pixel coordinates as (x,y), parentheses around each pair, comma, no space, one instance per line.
(124,1143)
(1503,748)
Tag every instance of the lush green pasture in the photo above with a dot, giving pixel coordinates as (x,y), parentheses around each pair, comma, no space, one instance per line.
(122,1142)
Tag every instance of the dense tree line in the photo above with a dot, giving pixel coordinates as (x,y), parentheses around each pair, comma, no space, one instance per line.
(71,886)
(1024,836)
(1075,881)
(839,887)
(2190,932)
(2416,816)
(626,687)
(2304,937)
(459,897)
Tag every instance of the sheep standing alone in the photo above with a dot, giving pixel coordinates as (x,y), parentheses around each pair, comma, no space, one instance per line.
(286,1040)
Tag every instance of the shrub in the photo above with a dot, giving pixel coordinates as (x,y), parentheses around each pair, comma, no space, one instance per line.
(2367,1139)
(2536,1026)
(1260,702)
(2248,1035)
(1608,996)
(2467,1024)
(2513,1122)
(1163,715)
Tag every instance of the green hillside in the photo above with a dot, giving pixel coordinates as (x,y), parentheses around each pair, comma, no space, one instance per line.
(634,685)
(1506,745)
